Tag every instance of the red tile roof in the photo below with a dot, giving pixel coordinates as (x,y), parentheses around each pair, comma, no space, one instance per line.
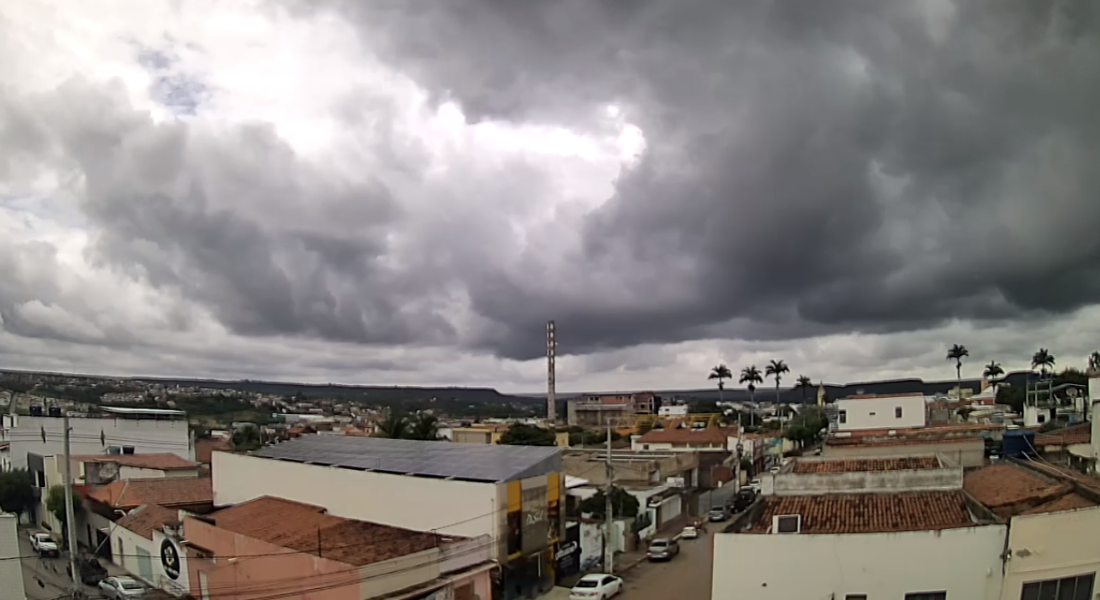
(307,528)
(169,491)
(868,513)
(861,465)
(205,449)
(144,519)
(160,461)
(886,441)
(1074,434)
(1010,489)
(709,436)
(1071,501)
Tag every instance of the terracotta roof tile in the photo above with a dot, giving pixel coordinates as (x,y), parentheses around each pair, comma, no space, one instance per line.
(885,441)
(144,519)
(862,465)
(161,461)
(1074,434)
(170,491)
(707,437)
(305,527)
(868,513)
(205,449)
(1071,501)
(1006,486)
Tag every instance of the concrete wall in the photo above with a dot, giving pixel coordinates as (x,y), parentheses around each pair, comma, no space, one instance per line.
(914,480)
(420,503)
(960,452)
(11,568)
(963,562)
(126,546)
(1051,546)
(145,435)
(640,468)
(880,413)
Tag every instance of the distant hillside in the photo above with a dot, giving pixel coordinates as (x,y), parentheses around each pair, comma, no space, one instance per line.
(365,393)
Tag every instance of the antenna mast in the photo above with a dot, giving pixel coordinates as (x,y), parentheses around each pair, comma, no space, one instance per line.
(551,352)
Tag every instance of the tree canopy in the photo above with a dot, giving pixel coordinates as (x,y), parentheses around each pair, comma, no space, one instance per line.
(806,427)
(16,491)
(520,434)
(55,502)
(623,504)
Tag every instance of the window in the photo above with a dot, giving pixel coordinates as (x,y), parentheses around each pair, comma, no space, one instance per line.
(1068,588)
(926,596)
(855,597)
(843,416)
(1042,418)
(871,414)
(897,412)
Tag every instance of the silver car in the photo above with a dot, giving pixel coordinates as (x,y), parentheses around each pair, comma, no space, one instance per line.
(663,549)
(121,588)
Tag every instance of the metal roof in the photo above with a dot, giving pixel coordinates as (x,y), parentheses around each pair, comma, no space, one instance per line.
(446,460)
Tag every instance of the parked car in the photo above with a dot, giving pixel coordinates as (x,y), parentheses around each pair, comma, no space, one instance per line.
(121,588)
(91,572)
(774,470)
(718,514)
(596,586)
(689,533)
(44,545)
(662,549)
(754,485)
(744,498)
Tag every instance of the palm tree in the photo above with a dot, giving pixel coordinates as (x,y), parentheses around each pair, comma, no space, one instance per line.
(720,372)
(424,427)
(1042,359)
(804,383)
(395,426)
(957,353)
(751,375)
(993,370)
(776,368)
(1094,361)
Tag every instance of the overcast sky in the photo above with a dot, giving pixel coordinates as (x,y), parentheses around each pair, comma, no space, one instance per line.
(396,192)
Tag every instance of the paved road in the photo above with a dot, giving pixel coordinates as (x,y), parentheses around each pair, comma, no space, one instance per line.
(687,576)
(45,578)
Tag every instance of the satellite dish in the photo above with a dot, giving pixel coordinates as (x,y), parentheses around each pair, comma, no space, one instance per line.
(108,471)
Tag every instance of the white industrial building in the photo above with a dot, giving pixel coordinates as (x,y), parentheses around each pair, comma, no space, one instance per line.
(511,493)
(903,411)
(11,567)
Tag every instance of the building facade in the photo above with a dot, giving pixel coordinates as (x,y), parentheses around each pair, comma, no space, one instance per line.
(11,567)
(881,412)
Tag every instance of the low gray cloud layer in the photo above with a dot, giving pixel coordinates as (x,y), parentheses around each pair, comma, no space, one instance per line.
(810,169)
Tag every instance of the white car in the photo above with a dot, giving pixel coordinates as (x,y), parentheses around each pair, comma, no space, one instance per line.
(755,485)
(44,545)
(121,588)
(596,586)
(689,533)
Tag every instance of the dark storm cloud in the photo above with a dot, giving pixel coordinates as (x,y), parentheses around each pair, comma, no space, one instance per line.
(868,166)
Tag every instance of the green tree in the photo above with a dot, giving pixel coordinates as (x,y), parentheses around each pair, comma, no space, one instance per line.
(804,383)
(720,372)
(424,427)
(1011,396)
(246,438)
(1042,359)
(776,369)
(16,491)
(395,426)
(520,434)
(956,353)
(751,375)
(55,503)
(993,371)
(808,425)
(623,504)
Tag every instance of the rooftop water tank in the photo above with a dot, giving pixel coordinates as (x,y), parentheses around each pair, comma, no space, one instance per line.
(1019,442)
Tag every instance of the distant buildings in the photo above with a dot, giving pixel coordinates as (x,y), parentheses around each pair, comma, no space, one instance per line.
(901,411)
(598,410)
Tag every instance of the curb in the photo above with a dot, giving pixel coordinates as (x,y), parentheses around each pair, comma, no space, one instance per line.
(629,566)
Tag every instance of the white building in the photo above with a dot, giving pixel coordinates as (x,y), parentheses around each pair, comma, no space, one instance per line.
(904,411)
(11,567)
(511,493)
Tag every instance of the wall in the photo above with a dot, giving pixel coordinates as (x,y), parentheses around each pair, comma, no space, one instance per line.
(145,435)
(140,473)
(965,562)
(125,547)
(1058,545)
(181,583)
(961,452)
(879,413)
(629,467)
(11,569)
(397,500)
(808,484)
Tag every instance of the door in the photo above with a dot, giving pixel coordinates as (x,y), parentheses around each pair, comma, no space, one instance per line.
(145,564)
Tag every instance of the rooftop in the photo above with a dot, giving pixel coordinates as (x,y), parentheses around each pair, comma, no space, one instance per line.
(171,491)
(1008,488)
(308,529)
(862,465)
(1071,501)
(1066,436)
(159,461)
(868,513)
(150,412)
(686,435)
(145,519)
(204,449)
(446,460)
(884,396)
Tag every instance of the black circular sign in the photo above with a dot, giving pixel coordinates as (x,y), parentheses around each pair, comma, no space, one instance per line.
(170,559)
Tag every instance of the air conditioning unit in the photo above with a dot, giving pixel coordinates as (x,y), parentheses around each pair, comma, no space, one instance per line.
(127,449)
(114,450)
(786,524)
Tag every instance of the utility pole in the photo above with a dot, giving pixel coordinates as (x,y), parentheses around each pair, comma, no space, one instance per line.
(70,518)
(608,548)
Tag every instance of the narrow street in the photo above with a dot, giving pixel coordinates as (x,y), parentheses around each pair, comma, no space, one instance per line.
(687,576)
(45,578)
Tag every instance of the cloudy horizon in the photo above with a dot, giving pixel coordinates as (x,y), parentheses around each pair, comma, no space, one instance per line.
(388,194)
